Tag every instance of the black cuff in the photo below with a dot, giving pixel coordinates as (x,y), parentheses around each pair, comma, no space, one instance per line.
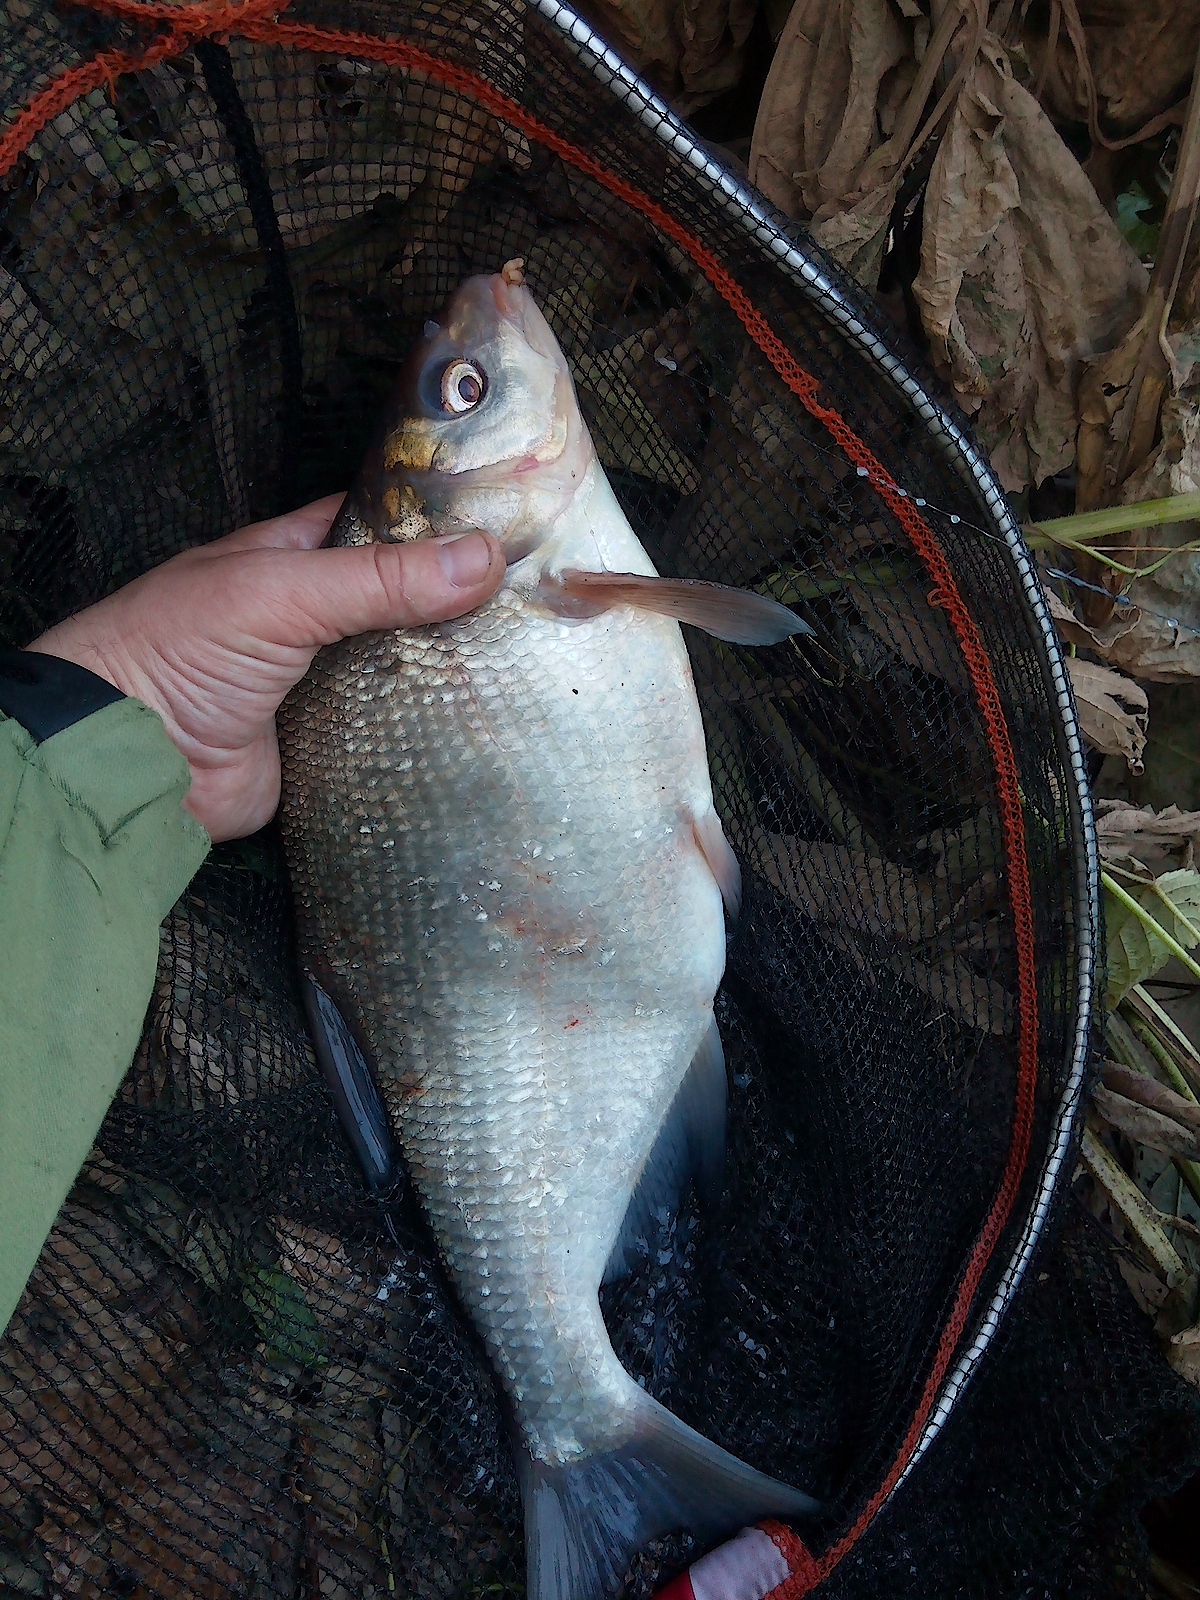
(46,694)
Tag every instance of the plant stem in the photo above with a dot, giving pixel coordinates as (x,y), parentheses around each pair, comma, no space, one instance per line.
(1144,917)
(1112,519)
(1188,927)
(1189,1171)
(1163,1056)
(1143,1001)
(1135,1210)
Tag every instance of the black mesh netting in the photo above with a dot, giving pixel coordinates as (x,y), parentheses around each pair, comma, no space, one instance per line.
(234,1372)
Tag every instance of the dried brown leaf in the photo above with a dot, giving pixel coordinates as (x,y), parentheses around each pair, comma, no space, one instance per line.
(759,482)
(197,155)
(1125,400)
(1144,1125)
(1160,644)
(648,414)
(1145,1286)
(776,150)
(1023,273)
(1163,645)
(1113,710)
(345,190)
(28,342)
(1140,54)
(1148,1091)
(1112,407)
(137,1454)
(455,133)
(343,1466)
(763,409)
(1183,1353)
(847,893)
(880,86)
(862,904)
(954,983)
(283,96)
(817,118)
(1122,397)
(714,34)
(1158,840)
(1160,641)
(969,854)
(644,31)
(624,427)
(1101,639)
(837,118)
(691,50)
(857,235)
(900,614)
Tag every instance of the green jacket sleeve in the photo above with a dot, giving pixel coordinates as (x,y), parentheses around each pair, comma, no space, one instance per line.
(94,850)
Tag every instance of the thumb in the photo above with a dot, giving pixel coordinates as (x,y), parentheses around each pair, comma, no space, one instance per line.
(332,594)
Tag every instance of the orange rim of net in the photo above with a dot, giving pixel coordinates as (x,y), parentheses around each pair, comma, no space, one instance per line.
(258,20)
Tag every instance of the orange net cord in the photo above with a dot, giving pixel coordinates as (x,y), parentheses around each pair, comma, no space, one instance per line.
(259,20)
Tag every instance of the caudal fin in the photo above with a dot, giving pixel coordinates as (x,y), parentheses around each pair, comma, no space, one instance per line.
(585,1522)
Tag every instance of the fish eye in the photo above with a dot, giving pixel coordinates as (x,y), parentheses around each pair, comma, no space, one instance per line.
(463,386)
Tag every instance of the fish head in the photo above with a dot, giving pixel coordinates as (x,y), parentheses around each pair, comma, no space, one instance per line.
(484,429)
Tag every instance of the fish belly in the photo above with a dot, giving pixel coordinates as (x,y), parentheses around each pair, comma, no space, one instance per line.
(490,827)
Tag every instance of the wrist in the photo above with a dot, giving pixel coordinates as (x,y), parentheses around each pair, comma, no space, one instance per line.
(47,693)
(59,643)
(122,675)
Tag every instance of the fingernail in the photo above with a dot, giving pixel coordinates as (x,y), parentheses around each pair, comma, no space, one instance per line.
(465,558)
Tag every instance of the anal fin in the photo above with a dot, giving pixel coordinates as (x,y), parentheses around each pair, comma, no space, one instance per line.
(690,1144)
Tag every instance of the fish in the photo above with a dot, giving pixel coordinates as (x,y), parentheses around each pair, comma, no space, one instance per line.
(509,878)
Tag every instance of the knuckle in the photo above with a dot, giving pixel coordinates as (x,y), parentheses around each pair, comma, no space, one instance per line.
(416,585)
(389,567)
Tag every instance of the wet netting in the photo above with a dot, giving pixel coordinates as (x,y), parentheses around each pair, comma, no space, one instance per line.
(238,1372)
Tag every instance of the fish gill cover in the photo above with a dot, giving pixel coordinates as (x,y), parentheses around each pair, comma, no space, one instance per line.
(236,1371)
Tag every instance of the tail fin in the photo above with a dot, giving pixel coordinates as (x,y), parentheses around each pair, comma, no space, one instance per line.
(585,1522)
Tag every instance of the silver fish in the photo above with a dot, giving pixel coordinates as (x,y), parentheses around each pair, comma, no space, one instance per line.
(509,872)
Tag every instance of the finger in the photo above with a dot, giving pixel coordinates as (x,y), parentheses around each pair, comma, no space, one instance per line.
(327,595)
(302,529)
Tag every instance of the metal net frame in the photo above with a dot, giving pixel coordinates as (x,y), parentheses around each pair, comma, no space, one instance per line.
(908,1009)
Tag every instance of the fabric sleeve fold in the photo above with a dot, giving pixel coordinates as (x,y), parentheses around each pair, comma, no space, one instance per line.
(95,848)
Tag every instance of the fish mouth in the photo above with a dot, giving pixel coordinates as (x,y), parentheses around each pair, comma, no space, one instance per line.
(510,297)
(414,444)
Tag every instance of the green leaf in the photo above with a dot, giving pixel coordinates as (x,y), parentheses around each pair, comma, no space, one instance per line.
(1131,207)
(1135,950)
(282,1316)
(790,584)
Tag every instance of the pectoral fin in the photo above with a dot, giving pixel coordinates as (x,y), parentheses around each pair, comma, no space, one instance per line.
(738,615)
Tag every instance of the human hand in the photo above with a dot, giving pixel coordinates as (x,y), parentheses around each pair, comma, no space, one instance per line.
(214,638)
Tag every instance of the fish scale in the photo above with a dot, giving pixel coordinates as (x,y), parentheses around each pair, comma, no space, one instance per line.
(502,845)
(538,1016)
